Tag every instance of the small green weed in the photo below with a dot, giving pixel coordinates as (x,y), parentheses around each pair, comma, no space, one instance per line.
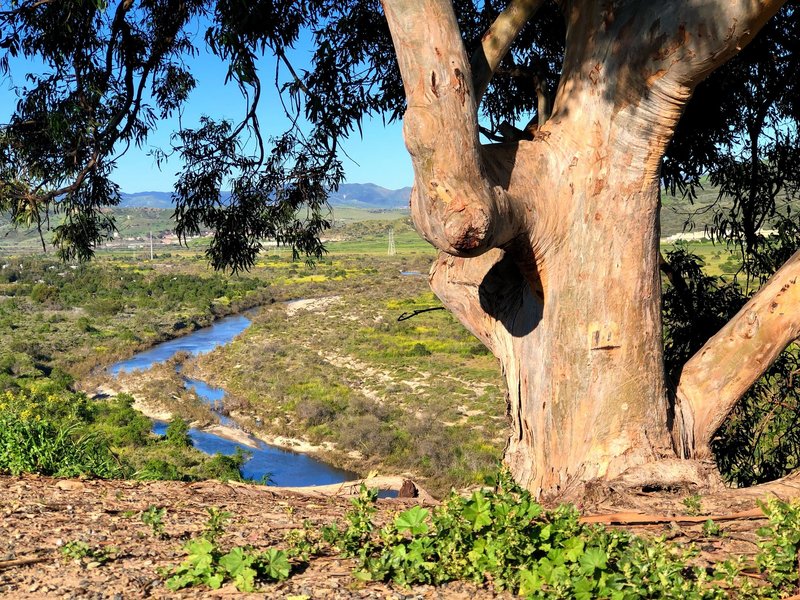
(711,529)
(81,551)
(304,543)
(693,504)
(215,525)
(154,517)
(206,564)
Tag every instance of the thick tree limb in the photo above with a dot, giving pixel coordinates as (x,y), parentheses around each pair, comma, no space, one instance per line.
(713,380)
(453,205)
(542,101)
(497,40)
(719,32)
(643,60)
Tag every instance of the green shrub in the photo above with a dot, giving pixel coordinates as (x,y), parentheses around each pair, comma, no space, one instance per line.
(43,293)
(31,444)
(84,325)
(315,411)
(160,469)
(178,433)
(223,467)
(19,364)
(419,350)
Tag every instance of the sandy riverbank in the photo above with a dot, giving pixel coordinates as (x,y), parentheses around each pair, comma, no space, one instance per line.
(235,434)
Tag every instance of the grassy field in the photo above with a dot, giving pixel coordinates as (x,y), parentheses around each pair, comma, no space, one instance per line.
(421,396)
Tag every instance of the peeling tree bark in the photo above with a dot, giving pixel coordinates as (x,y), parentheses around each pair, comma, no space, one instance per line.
(727,366)
(550,247)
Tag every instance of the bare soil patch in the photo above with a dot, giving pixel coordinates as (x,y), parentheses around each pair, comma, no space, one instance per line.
(40,514)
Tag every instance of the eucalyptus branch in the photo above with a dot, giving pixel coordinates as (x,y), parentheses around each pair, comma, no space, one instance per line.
(77,182)
(280,54)
(26,8)
(491,134)
(497,40)
(678,282)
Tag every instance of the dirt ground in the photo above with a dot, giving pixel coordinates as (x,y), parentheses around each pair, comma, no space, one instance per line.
(38,515)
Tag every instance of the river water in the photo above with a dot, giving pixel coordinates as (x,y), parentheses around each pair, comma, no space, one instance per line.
(282,467)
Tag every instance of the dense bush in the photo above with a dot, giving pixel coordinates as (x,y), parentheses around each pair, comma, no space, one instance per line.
(178,433)
(48,429)
(41,432)
(106,289)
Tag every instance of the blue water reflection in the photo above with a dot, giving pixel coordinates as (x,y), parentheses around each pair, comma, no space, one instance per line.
(198,342)
(283,468)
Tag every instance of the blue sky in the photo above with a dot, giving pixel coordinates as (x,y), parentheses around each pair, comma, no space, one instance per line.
(379,157)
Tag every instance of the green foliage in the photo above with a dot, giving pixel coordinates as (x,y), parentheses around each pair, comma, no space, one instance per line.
(157,469)
(693,504)
(84,325)
(503,536)
(41,431)
(304,543)
(224,467)
(778,548)
(419,350)
(81,551)
(177,433)
(711,529)
(215,525)
(206,564)
(154,517)
(760,440)
(46,428)
(42,293)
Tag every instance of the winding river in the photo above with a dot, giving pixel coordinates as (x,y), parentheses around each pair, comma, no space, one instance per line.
(282,467)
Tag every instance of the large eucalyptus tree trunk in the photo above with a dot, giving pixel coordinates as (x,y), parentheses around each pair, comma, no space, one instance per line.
(550,247)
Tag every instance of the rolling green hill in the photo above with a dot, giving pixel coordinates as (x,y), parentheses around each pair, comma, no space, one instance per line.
(364,220)
(681,215)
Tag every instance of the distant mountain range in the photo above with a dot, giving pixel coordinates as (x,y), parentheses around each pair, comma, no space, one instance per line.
(356,195)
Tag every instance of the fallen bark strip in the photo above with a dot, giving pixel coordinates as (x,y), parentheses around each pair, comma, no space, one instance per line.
(20,562)
(631,518)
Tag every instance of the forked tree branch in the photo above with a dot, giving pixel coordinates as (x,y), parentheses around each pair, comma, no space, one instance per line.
(722,371)
(497,40)
(453,205)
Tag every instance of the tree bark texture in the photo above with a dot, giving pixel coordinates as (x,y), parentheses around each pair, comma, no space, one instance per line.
(550,247)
